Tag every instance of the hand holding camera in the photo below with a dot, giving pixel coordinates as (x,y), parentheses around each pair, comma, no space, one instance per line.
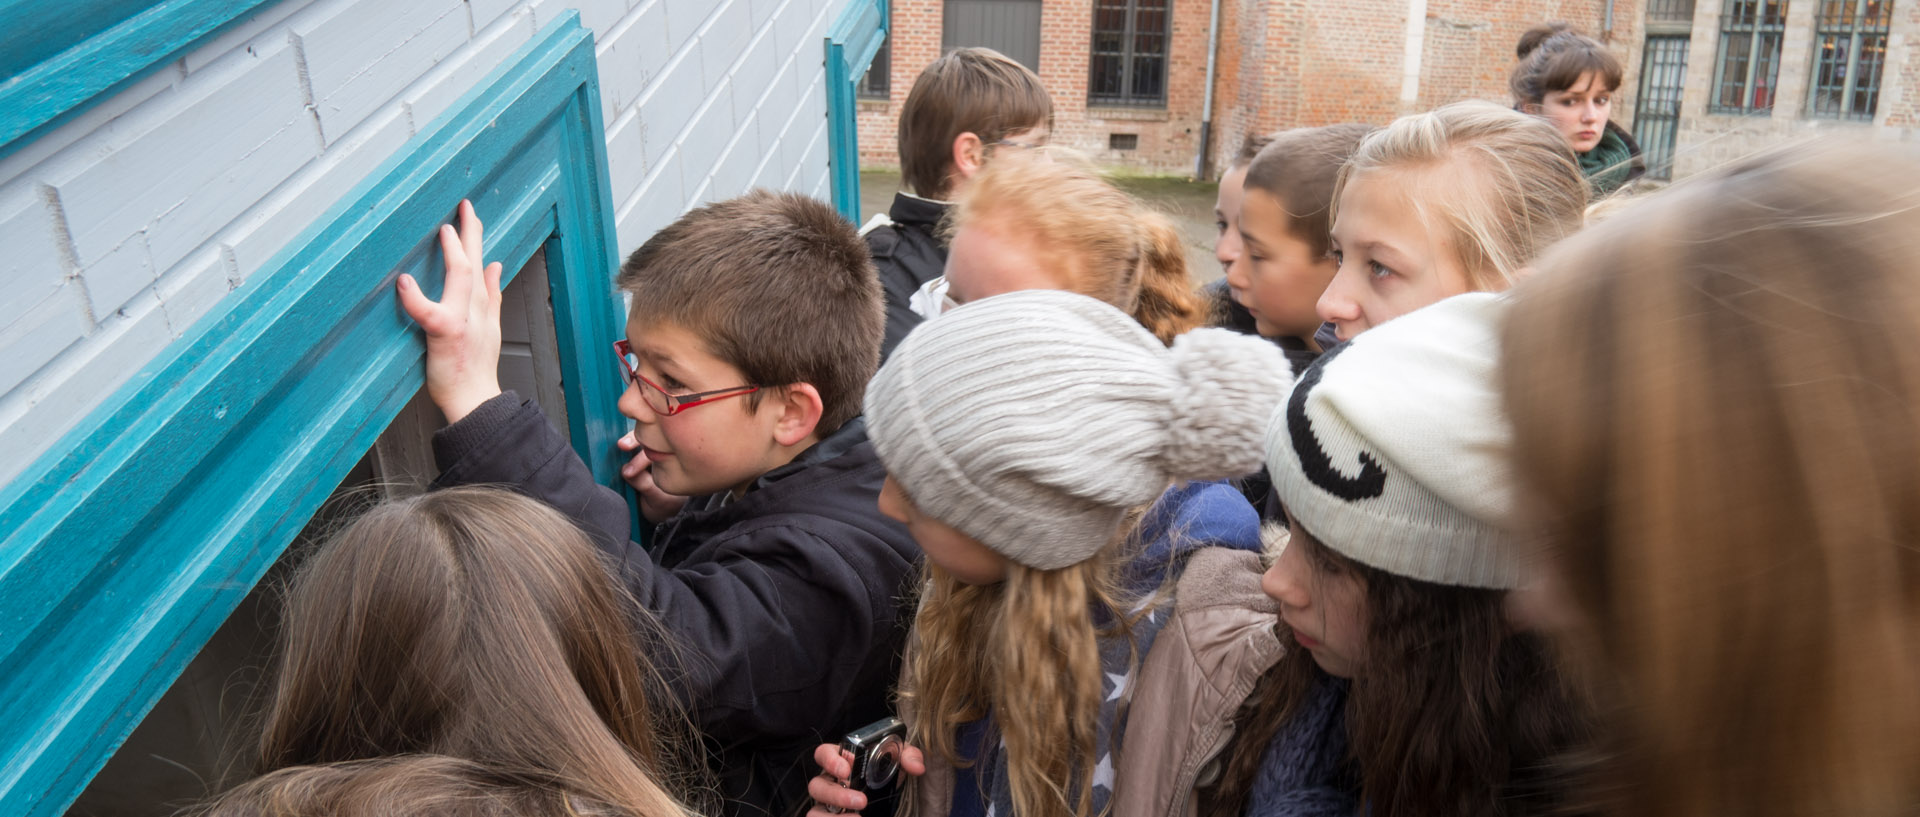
(867,760)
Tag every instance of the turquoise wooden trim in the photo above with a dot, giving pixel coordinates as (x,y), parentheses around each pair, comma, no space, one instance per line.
(852,41)
(124,547)
(60,58)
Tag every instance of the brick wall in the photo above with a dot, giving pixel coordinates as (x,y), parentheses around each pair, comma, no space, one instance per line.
(129,223)
(1280,64)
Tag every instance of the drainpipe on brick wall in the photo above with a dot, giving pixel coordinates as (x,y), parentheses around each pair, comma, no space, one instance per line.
(1606,26)
(1206,108)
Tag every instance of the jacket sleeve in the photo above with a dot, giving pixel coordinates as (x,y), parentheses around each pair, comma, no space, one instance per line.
(773,632)
(509,442)
(784,627)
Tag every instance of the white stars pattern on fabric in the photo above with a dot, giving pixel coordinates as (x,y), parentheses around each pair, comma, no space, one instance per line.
(1103,773)
(1120,684)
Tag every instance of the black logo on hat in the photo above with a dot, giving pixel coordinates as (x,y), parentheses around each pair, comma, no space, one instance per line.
(1314,461)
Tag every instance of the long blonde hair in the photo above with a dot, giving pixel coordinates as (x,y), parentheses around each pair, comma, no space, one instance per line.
(1107,244)
(1716,396)
(1516,189)
(1026,650)
(478,625)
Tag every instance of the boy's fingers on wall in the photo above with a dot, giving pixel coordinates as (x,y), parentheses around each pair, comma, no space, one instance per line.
(456,291)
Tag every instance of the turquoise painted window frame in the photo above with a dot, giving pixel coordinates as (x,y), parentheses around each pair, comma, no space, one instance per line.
(124,547)
(60,58)
(852,40)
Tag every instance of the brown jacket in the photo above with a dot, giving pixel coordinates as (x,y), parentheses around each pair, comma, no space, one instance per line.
(1202,666)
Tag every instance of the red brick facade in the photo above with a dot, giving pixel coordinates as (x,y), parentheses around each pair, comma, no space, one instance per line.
(1280,64)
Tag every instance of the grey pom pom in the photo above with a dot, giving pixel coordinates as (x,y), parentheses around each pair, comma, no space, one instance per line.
(1230,384)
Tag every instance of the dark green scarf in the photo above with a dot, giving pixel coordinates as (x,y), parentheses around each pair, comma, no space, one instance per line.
(1608,165)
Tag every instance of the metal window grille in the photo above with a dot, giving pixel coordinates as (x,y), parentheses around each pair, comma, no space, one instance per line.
(1670,11)
(1748,71)
(1850,49)
(1129,55)
(1656,117)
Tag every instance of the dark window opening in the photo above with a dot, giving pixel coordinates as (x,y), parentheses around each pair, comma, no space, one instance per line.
(1123,141)
(1129,56)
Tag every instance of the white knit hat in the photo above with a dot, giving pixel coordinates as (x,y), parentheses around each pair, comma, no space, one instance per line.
(1033,421)
(1392,449)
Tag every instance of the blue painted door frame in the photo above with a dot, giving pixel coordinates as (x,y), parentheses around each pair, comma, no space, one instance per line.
(125,546)
(852,41)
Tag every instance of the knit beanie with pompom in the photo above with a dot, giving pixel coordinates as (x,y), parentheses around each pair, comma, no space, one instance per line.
(1033,421)
(1392,449)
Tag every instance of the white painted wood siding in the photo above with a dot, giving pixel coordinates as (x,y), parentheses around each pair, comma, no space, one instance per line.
(127,225)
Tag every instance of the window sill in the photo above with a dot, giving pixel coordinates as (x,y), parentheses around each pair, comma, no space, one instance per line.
(1128,114)
(864,105)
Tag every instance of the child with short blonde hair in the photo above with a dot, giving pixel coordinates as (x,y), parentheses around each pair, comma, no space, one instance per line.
(1050,220)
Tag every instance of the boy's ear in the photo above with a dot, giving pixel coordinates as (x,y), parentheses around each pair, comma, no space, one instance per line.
(969,155)
(800,410)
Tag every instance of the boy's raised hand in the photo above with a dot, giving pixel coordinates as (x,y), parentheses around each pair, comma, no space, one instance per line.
(463,327)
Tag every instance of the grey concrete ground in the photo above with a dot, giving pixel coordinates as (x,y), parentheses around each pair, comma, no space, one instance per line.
(1189,203)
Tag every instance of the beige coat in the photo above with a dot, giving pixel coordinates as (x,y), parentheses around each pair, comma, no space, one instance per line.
(1202,666)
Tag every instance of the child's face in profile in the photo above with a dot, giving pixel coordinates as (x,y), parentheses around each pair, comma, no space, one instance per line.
(955,552)
(1390,261)
(1279,277)
(705,448)
(1226,219)
(987,258)
(1323,603)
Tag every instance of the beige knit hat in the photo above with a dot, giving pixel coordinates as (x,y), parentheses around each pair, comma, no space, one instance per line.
(1033,421)
(1392,449)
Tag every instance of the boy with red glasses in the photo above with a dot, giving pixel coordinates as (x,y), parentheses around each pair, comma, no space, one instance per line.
(754,327)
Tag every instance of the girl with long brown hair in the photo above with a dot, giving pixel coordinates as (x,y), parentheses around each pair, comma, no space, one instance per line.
(1716,401)
(467,642)
(1404,684)
(1044,218)
(1090,620)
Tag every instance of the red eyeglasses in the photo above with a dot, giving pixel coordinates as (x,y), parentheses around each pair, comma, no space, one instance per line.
(657,398)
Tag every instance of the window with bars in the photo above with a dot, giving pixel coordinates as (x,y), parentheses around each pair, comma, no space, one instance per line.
(1748,71)
(1129,59)
(1849,51)
(1670,11)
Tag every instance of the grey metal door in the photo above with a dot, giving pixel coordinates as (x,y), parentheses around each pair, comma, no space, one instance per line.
(1656,118)
(1011,27)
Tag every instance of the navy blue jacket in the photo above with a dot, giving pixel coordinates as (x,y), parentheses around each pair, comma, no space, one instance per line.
(791,602)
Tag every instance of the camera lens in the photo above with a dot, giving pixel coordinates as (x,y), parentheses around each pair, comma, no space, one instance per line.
(883,763)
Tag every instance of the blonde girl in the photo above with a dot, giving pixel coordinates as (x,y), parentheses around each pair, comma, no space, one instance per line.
(465,643)
(1455,200)
(1716,396)
(1045,219)
(1037,445)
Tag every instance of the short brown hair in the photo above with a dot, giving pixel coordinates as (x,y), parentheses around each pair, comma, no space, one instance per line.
(777,284)
(970,90)
(1255,142)
(1559,62)
(1299,168)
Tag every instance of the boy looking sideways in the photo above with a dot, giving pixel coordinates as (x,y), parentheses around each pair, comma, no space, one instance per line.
(755,325)
(963,107)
